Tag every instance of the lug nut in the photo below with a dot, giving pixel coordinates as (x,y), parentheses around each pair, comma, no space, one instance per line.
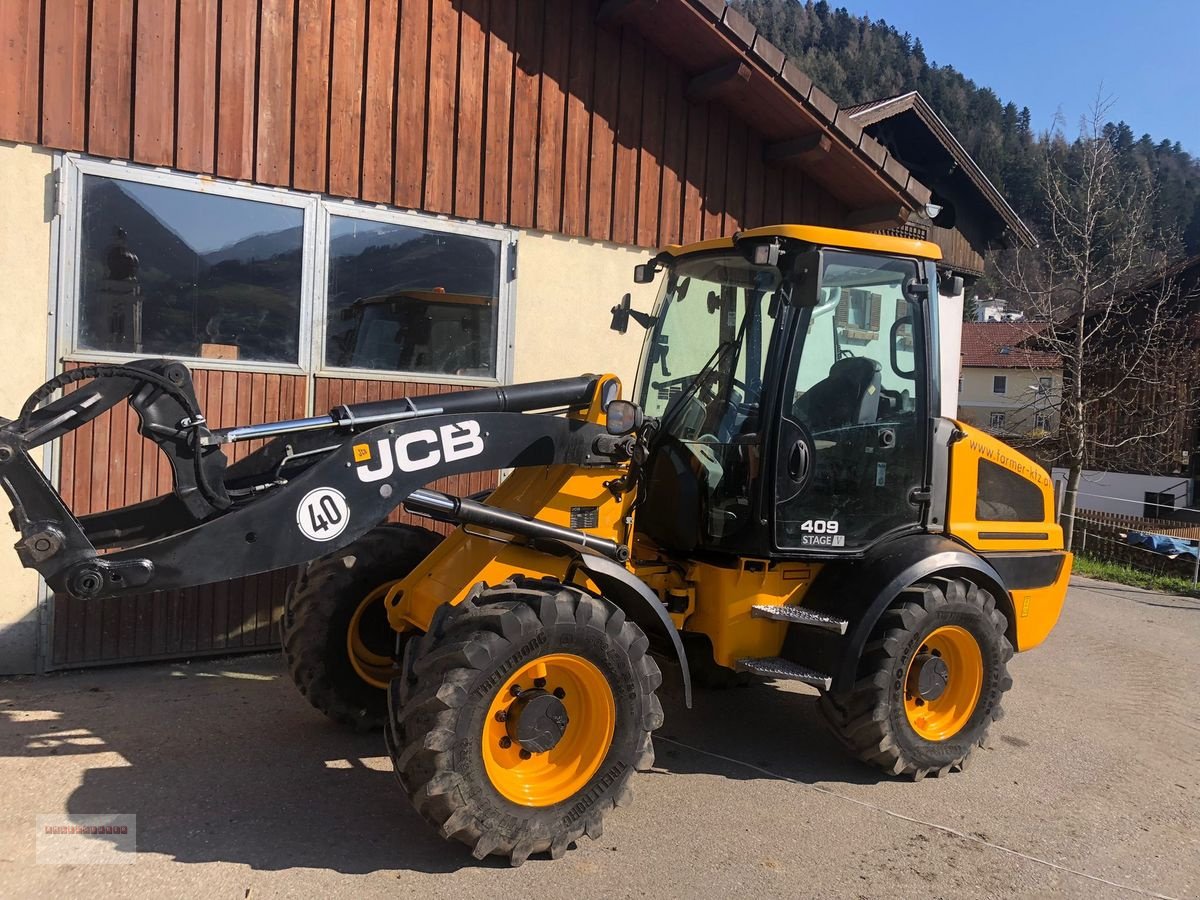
(505,742)
(525,754)
(502,715)
(539,682)
(559,693)
(515,690)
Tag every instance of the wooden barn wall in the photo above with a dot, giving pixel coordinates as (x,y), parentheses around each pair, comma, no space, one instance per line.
(518,112)
(107,464)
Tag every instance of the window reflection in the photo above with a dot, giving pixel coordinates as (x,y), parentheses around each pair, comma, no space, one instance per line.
(411,300)
(183,273)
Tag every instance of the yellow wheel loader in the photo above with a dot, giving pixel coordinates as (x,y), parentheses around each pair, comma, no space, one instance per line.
(780,499)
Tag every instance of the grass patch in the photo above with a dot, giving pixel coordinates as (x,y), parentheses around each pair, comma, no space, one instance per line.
(1121,574)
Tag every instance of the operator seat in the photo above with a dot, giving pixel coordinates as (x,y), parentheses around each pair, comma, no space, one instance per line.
(849,396)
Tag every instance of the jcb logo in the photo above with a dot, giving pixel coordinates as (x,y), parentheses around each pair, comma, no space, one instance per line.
(420,450)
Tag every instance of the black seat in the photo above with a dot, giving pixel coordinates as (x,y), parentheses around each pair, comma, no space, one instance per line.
(849,396)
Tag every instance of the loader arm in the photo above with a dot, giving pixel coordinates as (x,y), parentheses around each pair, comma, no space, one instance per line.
(318,485)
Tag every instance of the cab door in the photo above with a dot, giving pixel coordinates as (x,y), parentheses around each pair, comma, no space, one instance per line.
(852,445)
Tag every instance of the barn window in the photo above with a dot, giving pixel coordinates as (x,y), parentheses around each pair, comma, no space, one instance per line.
(169,272)
(407,298)
(225,275)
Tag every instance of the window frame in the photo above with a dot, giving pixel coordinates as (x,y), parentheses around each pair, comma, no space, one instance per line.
(994,416)
(505,314)
(317,211)
(1000,379)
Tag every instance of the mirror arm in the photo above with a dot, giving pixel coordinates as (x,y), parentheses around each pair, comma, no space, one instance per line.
(646,320)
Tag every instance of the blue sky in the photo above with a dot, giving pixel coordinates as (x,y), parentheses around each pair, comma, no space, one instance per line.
(1053,55)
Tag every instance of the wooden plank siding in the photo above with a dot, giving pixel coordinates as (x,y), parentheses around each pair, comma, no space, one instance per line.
(515,112)
(107,464)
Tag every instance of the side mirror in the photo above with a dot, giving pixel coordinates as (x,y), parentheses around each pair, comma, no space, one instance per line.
(620,316)
(950,285)
(622,417)
(644,273)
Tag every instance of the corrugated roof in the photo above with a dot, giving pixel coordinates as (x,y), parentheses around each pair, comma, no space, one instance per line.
(999,345)
(868,114)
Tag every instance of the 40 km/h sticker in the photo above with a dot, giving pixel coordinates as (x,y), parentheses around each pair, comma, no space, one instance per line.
(323,514)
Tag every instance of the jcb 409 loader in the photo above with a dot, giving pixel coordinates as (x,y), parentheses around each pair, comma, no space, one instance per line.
(782,500)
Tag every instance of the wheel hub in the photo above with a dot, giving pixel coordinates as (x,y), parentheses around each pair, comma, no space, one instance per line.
(943,683)
(931,675)
(537,720)
(548,729)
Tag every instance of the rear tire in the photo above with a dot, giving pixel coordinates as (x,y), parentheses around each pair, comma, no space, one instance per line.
(320,608)
(883,719)
(460,768)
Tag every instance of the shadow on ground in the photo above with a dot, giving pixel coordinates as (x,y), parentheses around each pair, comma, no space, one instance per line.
(223,761)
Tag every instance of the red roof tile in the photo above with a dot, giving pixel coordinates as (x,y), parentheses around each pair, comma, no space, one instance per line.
(997,345)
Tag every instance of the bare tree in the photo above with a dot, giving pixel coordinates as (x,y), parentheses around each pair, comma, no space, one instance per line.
(1118,330)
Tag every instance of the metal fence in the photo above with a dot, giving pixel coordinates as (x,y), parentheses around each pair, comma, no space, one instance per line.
(1104,537)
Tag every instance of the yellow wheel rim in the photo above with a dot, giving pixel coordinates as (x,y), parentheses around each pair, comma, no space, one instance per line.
(952,686)
(370,660)
(543,779)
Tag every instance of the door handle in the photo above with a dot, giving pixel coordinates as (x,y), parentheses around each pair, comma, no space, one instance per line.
(799,460)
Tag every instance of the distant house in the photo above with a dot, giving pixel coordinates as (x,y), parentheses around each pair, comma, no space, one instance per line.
(1005,387)
(995,309)
(1156,477)
(1169,408)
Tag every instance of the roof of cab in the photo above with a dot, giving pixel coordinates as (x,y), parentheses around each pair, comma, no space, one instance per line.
(825,237)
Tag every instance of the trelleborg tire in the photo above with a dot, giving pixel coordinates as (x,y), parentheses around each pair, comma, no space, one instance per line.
(344,673)
(466,735)
(930,681)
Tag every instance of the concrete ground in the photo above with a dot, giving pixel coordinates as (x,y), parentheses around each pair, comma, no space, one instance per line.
(1090,787)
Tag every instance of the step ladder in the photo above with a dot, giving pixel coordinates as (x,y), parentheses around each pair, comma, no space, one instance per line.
(783,669)
(798,615)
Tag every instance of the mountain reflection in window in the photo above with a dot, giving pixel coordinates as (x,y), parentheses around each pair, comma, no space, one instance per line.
(169,272)
(408,299)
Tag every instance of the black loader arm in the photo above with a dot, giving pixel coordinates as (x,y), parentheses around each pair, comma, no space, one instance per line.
(316,487)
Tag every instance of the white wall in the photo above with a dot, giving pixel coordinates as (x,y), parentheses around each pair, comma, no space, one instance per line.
(25,261)
(950,313)
(1120,492)
(565,290)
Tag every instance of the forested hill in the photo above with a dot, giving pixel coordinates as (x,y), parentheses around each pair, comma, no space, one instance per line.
(856,59)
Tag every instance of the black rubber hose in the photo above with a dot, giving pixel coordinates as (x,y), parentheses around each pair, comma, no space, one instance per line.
(142,376)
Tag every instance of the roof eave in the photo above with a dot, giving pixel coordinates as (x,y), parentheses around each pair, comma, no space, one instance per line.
(877,112)
(705,37)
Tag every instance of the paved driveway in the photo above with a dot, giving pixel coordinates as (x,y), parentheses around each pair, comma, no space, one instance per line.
(1090,788)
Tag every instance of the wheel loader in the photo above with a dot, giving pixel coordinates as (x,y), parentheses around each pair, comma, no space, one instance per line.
(780,499)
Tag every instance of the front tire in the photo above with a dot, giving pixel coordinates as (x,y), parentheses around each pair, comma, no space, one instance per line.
(523,715)
(337,642)
(929,683)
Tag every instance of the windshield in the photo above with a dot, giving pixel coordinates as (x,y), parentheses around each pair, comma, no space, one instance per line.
(702,369)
